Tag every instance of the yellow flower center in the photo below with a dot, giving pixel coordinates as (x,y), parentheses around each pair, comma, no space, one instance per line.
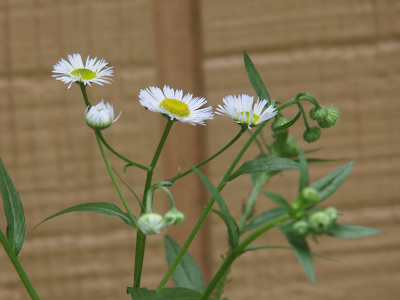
(176,107)
(255,117)
(86,74)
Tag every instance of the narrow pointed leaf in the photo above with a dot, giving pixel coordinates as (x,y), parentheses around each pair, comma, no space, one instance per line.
(278,199)
(14,211)
(327,185)
(230,222)
(265,164)
(304,178)
(97,207)
(265,217)
(187,274)
(290,123)
(348,231)
(165,294)
(255,79)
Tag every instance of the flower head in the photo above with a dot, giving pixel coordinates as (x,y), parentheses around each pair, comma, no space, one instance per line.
(151,223)
(176,106)
(100,116)
(241,109)
(76,71)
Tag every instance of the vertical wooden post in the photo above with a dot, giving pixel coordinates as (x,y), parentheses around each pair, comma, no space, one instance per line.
(179,61)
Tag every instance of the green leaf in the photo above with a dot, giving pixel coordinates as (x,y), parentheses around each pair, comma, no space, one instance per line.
(327,185)
(14,211)
(230,222)
(278,199)
(290,123)
(265,164)
(304,178)
(97,207)
(255,79)
(166,294)
(347,231)
(265,217)
(188,273)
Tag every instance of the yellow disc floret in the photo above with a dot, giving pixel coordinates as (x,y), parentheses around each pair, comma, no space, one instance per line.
(255,117)
(176,107)
(85,74)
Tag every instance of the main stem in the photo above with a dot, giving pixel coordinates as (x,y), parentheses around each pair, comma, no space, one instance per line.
(141,237)
(18,267)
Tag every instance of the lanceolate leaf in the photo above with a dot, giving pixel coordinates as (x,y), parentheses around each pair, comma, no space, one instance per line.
(265,164)
(347,231)
(256,80)
(166,294)
(96,207)
(290,123)
(304,179)
(265,217)
(278,199)
(188,273)
(327,185)
(13,210)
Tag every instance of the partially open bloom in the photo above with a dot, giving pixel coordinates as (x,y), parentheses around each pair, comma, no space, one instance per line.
(151,223)
(75,71)
(176,106)
(240,108)
(100,116)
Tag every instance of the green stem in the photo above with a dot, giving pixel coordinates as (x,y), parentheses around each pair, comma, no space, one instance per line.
(119,155)
(304,116)
(141,237)
(130,214)
(288,103)
(18,267)
(83,89)
(207,209)
(243,129)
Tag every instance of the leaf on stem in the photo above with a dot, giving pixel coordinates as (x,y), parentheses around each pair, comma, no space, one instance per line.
(327,185)
(165,294)
(187,274)
(230,222)
(14,211)
(347,231)
(265,164)
(97,207)
(278,199)
(290,123)
(255,79)
(304,178)
(265,217)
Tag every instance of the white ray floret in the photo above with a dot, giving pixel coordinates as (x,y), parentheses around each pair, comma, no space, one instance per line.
(241,109)
(100,116)
(176,106)
(93,71)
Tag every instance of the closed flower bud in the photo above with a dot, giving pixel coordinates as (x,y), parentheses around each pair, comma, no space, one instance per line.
(319,222)
(312,134)
(291,148)
(330,119)
(100,116)
(279,121)
(151,223)
(310,196)
(332,213)
(300,228)
(174,217)
(318,113)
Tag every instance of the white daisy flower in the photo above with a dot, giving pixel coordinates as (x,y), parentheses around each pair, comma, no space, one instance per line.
(75,71)
(100,116)
(175,105)
(240,108)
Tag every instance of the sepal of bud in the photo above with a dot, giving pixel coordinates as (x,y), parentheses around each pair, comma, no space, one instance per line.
(151,223)
(318,113)
(331,119)
(319,222)
(312,134)
(300,228)
(310,196)
(100,116)
(174,217)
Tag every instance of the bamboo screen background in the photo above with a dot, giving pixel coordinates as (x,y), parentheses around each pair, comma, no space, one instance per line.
(347,53)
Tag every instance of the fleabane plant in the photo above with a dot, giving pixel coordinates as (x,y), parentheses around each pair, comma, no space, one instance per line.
(298,219)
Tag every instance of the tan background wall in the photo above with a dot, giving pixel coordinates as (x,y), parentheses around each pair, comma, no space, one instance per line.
(344,52)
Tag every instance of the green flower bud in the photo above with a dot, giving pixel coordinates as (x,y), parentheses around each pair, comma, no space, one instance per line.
(151,223)
(332,213)
(310,196)
(291,147)
(312,134)
(330,119)
(319,222)
(279,121)
(318,113)
(174,217)
(300,228)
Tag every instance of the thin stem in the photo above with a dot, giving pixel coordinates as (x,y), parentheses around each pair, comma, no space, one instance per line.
(288,103)
(109,169)
(18,267)
(83,89)
(141,237)
(304,116)
(119,155)
(207,209)
(173,179)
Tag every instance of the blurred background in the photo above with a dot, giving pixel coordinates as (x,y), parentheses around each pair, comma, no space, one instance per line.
(346,53)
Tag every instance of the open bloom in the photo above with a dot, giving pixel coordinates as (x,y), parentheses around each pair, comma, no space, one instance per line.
(100,116)
(76,71)
(240,108)
(175,105)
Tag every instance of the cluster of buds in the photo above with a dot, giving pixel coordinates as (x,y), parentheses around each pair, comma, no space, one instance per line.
(152,223)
